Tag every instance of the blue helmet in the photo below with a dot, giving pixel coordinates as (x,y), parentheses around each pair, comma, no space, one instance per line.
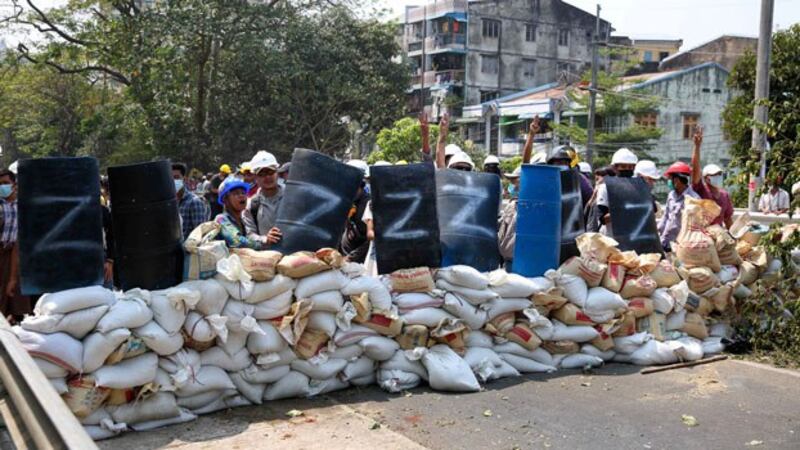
(228,187)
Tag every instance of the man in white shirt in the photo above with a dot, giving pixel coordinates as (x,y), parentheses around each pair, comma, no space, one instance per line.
(775,201)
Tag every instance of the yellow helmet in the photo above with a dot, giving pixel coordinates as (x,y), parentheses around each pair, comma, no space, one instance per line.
(402,162)
(226,169)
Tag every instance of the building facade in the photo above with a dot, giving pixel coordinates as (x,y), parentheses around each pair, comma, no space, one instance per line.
(724,50)
(644,55)
(468,52)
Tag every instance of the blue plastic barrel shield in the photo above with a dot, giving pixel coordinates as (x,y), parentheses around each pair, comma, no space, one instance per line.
(538,221)
(467,205)
(316,200)
(147,227)
(633,219)
(404,215)
(572,224)
(60,224)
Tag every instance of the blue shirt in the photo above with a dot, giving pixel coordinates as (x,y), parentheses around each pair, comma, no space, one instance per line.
(193,211)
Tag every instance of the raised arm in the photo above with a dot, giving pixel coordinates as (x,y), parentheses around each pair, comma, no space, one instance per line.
(444,128)
(697,175)
(533,131)
(424,128)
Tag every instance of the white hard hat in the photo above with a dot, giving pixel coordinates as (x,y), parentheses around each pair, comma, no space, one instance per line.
(539,158)
(382,163)
(13,167)
(263,160)
(624,156)
(452,149)
(712,169)
(585,167)
(361,165)
(491,159)
(461,158)
(516,173)
(647,168)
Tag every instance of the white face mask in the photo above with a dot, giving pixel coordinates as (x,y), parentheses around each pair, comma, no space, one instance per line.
(715,181)
(178,185)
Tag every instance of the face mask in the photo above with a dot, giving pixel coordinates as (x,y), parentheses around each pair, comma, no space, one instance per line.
(281,182)
(512,190)
(5,190)
(178,185)
(625,173)
(715,181)
(671,185)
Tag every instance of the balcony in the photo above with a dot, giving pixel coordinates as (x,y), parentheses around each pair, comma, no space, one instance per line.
(438,9)
(441,77)
(438,42)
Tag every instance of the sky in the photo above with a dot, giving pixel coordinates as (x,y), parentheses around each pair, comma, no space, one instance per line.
(694,21)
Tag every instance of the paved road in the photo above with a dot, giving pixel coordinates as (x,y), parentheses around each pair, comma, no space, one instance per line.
(736,405)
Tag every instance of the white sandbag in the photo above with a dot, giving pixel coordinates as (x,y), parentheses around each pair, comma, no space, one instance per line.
(525,365)
(539,355)
(213,294)
(215,356)
(430,317)
(331,280)
(236,342)
(251,391)
(401,361)
(416,300)
(447,371)
(128,373)
(328,301)
(208,378)
(379,348)
(589,349)
(676,320)
(394,381)
(321,387)
(488,365)
(275,307)
(224,402)
(728,274)
(58,348)
(65,302)
(512,285)
(98,433)
(629,344)
(622,358)
(199,401)
(185,361)
(474,296)
(238,290)
(269,341)
(654,353)
(127,312)
(272,360)
(464,276)
(367,380)
(271,289)
(323,321)
(50,370)
(158,407)
(352,336)
(379,295)
(742,292)
(163,381)
(240,316)
(256,375)
(96,417)
(721,329)
(601,299)
(59,384)
(158,340)
(183,417)
(348,352)
(77,324)
(663,301)
(687,348)
(205,329)
(501,306)
(713,345)
(580,361)
(169,311)
(328,369)
(578,333)
(479,339)
(575,288)
(295,384)
(98,346)
(359,368)
(473,316)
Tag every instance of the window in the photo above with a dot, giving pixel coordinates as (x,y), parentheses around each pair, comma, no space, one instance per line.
(528,68)
(706,90)
(563,67)
(563,37)
(491,28)
(689,124)
(490,64)
(663,55)
(487,96)
(530,32)
(648,56)
(646,120)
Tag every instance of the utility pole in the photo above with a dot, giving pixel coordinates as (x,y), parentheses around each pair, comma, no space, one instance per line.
(593,90)
(760,111)
(424,38)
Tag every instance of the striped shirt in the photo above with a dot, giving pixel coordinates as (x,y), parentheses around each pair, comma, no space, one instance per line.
(9,225)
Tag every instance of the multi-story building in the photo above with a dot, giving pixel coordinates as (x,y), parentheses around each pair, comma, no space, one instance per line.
(724,50)
(644,54)
(468,52)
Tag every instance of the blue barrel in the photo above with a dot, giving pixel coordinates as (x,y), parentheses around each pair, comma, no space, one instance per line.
(538,221)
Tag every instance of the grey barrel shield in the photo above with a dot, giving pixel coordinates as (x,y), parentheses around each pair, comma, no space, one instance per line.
(467,205)
(572,224)
(60,224)
(633,219)
(404,215)
(147,229)
(316,200)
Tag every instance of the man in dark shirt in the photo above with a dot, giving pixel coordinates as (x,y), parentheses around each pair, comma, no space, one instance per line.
(355,244)
(213,192)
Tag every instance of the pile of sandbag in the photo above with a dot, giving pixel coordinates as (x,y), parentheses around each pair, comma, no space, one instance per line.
(262,326)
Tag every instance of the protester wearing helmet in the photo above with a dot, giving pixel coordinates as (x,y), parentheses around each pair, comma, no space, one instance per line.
(355,245)
(647,170)
(708,183)
(678,177)
(624,162)
(262,209)
(233,197)
(451,150)
(461,161)
(213,191)
(564,156)
(585,168)
(492,165)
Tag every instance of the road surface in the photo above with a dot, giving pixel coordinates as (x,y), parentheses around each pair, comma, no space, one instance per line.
(735,404)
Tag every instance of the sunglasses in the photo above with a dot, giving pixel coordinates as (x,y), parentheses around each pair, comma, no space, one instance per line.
(464,168)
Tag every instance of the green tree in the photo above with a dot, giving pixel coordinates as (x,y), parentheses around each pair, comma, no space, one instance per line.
(402,142)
